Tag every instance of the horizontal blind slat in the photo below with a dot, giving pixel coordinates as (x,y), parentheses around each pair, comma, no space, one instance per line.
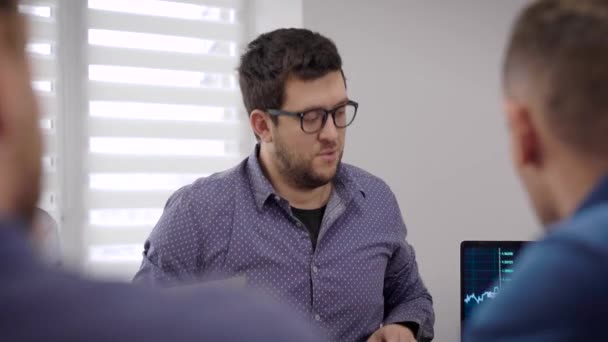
(103,91)
(161,25)
(162,129)
(128,199)
(161,60)
(116,163)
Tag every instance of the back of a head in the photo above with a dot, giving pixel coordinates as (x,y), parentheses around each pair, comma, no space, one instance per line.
(558,56)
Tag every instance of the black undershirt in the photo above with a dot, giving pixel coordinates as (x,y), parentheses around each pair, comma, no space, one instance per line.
(312,220)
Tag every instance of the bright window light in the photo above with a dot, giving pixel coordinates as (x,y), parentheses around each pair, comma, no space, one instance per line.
(140,181)
(153,146)
(37,11)
(157,111)
(116,253)
(160,77)
(166,9)
(39,49)
(159,42)
(125,217)
(43,86)
(46,124)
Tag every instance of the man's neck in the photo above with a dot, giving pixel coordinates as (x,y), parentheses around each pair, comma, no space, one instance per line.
(297,197)
(574,181)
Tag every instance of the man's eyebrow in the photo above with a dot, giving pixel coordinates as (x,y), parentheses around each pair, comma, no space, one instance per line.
(340,103)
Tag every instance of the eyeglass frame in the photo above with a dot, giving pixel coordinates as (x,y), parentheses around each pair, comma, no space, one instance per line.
(326,113)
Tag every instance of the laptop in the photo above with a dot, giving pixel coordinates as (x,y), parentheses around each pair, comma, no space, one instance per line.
(485,267)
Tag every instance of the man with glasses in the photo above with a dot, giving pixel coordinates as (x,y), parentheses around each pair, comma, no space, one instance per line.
(42,303)
(326,237)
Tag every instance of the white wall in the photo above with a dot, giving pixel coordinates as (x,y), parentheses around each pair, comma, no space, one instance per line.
(268,15)
(426,74)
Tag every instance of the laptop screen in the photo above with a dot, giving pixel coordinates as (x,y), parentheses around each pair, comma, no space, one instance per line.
(485,267)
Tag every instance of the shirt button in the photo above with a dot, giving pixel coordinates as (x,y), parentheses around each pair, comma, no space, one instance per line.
(299,224)
(315,269)
(277,198)
(317,318)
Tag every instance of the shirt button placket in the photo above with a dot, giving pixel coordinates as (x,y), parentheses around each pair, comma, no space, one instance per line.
(314,282)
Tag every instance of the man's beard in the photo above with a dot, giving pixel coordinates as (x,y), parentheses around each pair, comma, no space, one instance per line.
(299,172)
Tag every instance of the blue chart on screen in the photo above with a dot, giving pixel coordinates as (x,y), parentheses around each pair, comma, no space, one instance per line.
(486,267)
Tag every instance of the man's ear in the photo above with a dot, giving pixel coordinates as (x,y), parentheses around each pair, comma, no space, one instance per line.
(13,36)
(5,13)
(526,143)
(261,124)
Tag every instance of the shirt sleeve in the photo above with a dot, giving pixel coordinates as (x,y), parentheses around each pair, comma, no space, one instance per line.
(558,293)
(170,253)
(406,297)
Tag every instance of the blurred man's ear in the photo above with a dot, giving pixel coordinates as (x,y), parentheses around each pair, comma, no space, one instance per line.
(526,147)
(260,123)
(13,30)
(14,67)
(20,138)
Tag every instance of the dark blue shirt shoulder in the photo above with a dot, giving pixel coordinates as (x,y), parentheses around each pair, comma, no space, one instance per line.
(560,289)
(42,304)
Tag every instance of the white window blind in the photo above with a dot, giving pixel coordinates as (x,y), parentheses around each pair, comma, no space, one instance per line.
(41,48)
(164,110)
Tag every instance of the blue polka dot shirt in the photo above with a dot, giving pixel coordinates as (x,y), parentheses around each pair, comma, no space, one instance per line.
(361,275)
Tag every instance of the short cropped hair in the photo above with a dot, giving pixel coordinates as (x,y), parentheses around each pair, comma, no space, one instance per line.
(559,49)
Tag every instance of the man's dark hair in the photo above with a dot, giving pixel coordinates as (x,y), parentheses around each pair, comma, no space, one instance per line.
(559,50)
(274,56)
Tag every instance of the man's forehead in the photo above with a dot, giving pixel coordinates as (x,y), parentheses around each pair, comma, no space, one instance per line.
(324,92)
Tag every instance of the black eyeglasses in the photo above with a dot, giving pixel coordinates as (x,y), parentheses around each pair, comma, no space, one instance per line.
(312,121)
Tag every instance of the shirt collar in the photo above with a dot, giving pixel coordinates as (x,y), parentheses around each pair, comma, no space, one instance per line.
(598,195)
(261,187)
(345,184)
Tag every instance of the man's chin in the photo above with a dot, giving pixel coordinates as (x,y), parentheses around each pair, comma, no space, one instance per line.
(327,175)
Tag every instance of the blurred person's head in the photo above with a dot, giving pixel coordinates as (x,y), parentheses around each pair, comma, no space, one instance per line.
(299,72)
(20,138)
(556,100)
(45,236)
